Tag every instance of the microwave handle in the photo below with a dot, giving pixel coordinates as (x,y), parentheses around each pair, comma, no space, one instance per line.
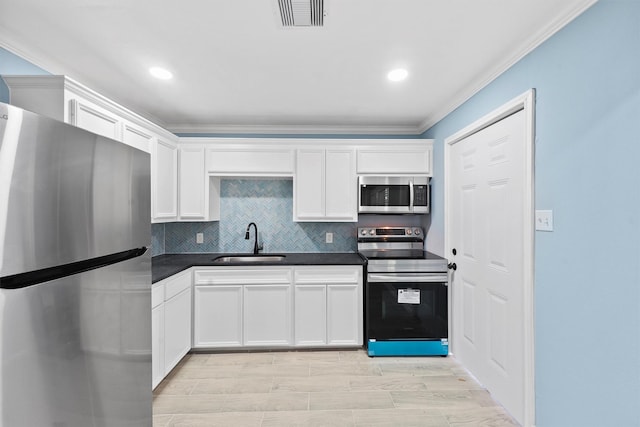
(410,195)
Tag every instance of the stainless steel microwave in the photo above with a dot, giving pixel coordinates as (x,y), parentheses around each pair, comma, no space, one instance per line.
(393,194)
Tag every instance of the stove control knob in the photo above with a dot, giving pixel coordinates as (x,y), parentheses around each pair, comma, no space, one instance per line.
(409,232)
(363,232)
(372,232)
(416,231)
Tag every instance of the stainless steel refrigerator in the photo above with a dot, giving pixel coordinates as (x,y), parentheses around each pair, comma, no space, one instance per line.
(75,277)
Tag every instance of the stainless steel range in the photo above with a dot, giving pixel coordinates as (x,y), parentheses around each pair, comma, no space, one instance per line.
(405,293)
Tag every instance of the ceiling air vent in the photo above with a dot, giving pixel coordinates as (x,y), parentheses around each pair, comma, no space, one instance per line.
(301,13)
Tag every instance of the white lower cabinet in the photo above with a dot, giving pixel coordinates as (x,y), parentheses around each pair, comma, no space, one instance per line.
(267,315)
(328,306)
(242,307)
(311,314)
(157,333)
(170,323)
(177,328)
(278,307)
(157,344)
(344,314)
(217,317)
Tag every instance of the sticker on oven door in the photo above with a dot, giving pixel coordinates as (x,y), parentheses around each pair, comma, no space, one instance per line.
(408,296)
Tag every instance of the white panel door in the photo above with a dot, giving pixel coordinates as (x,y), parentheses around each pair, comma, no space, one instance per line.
(309,184)
(136,137)
(217,317)
(192,189)
(310,307)
(157,344)
(89,116)
(487,179)
(344,314)
(177,328)
(341,185)
(164,181)
(267,315)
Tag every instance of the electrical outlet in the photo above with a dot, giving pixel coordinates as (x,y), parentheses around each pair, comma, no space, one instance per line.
(544,220)
(199,238)
(329,238)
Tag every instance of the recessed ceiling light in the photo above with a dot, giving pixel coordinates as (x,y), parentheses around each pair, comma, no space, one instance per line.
(160,73)
(397,75)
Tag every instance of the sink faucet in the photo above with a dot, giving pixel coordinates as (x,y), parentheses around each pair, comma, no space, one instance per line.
(256,247)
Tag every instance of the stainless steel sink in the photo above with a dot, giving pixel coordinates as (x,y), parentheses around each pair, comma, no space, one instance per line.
(248,258)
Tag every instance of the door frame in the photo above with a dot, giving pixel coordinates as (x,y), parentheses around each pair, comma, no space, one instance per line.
(525,102)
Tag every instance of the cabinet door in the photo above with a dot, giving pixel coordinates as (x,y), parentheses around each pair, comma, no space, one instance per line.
(217,316)
(192,189)
(177,328)
(157,345)
(164,181)
(310,308)
(136,137)
(344,314)
(89,116)
(341,185)
(309,185)
(250,161)
(396,160)
(267,315)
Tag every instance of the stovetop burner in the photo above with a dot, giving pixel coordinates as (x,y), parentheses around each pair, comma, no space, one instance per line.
(397,249)
(396,254)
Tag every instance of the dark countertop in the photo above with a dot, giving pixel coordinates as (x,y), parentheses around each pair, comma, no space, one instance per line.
(167,265)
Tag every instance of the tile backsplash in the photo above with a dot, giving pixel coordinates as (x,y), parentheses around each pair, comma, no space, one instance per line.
(268,203)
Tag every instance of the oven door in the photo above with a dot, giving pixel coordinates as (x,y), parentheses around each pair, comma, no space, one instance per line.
(406,306)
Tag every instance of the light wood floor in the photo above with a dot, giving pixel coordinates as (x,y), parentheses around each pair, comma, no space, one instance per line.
(322,388)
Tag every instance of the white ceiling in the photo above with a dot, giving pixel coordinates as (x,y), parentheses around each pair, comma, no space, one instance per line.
(236,69)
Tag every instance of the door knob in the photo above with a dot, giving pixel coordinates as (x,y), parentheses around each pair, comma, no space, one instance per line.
(452,266)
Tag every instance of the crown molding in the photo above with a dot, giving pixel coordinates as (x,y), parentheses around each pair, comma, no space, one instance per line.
(485,79)
(221,129)
(51,65)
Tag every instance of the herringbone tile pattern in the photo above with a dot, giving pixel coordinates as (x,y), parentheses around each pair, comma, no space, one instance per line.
(268,203)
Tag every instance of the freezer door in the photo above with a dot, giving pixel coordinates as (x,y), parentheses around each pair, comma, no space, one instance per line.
(67,194)
(76,351)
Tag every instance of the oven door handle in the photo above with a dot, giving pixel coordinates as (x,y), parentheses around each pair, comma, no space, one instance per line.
(407,277)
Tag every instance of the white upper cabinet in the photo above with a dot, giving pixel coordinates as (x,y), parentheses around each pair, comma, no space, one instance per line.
(90,116)
(164,180)
(325,185)
(66,100)
(309,197)
(250,159)
(397,157)
(137,136)
(199,198)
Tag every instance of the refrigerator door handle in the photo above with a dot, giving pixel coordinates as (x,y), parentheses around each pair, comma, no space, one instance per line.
(31,278)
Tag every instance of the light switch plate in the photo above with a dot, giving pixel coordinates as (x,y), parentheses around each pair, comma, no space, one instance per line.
(544,220)
(329,238)
(199,237)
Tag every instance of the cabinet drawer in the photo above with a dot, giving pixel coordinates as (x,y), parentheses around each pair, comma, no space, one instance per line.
(157,294)
(227,276)
(333,274)
(250,161)
(176,285)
